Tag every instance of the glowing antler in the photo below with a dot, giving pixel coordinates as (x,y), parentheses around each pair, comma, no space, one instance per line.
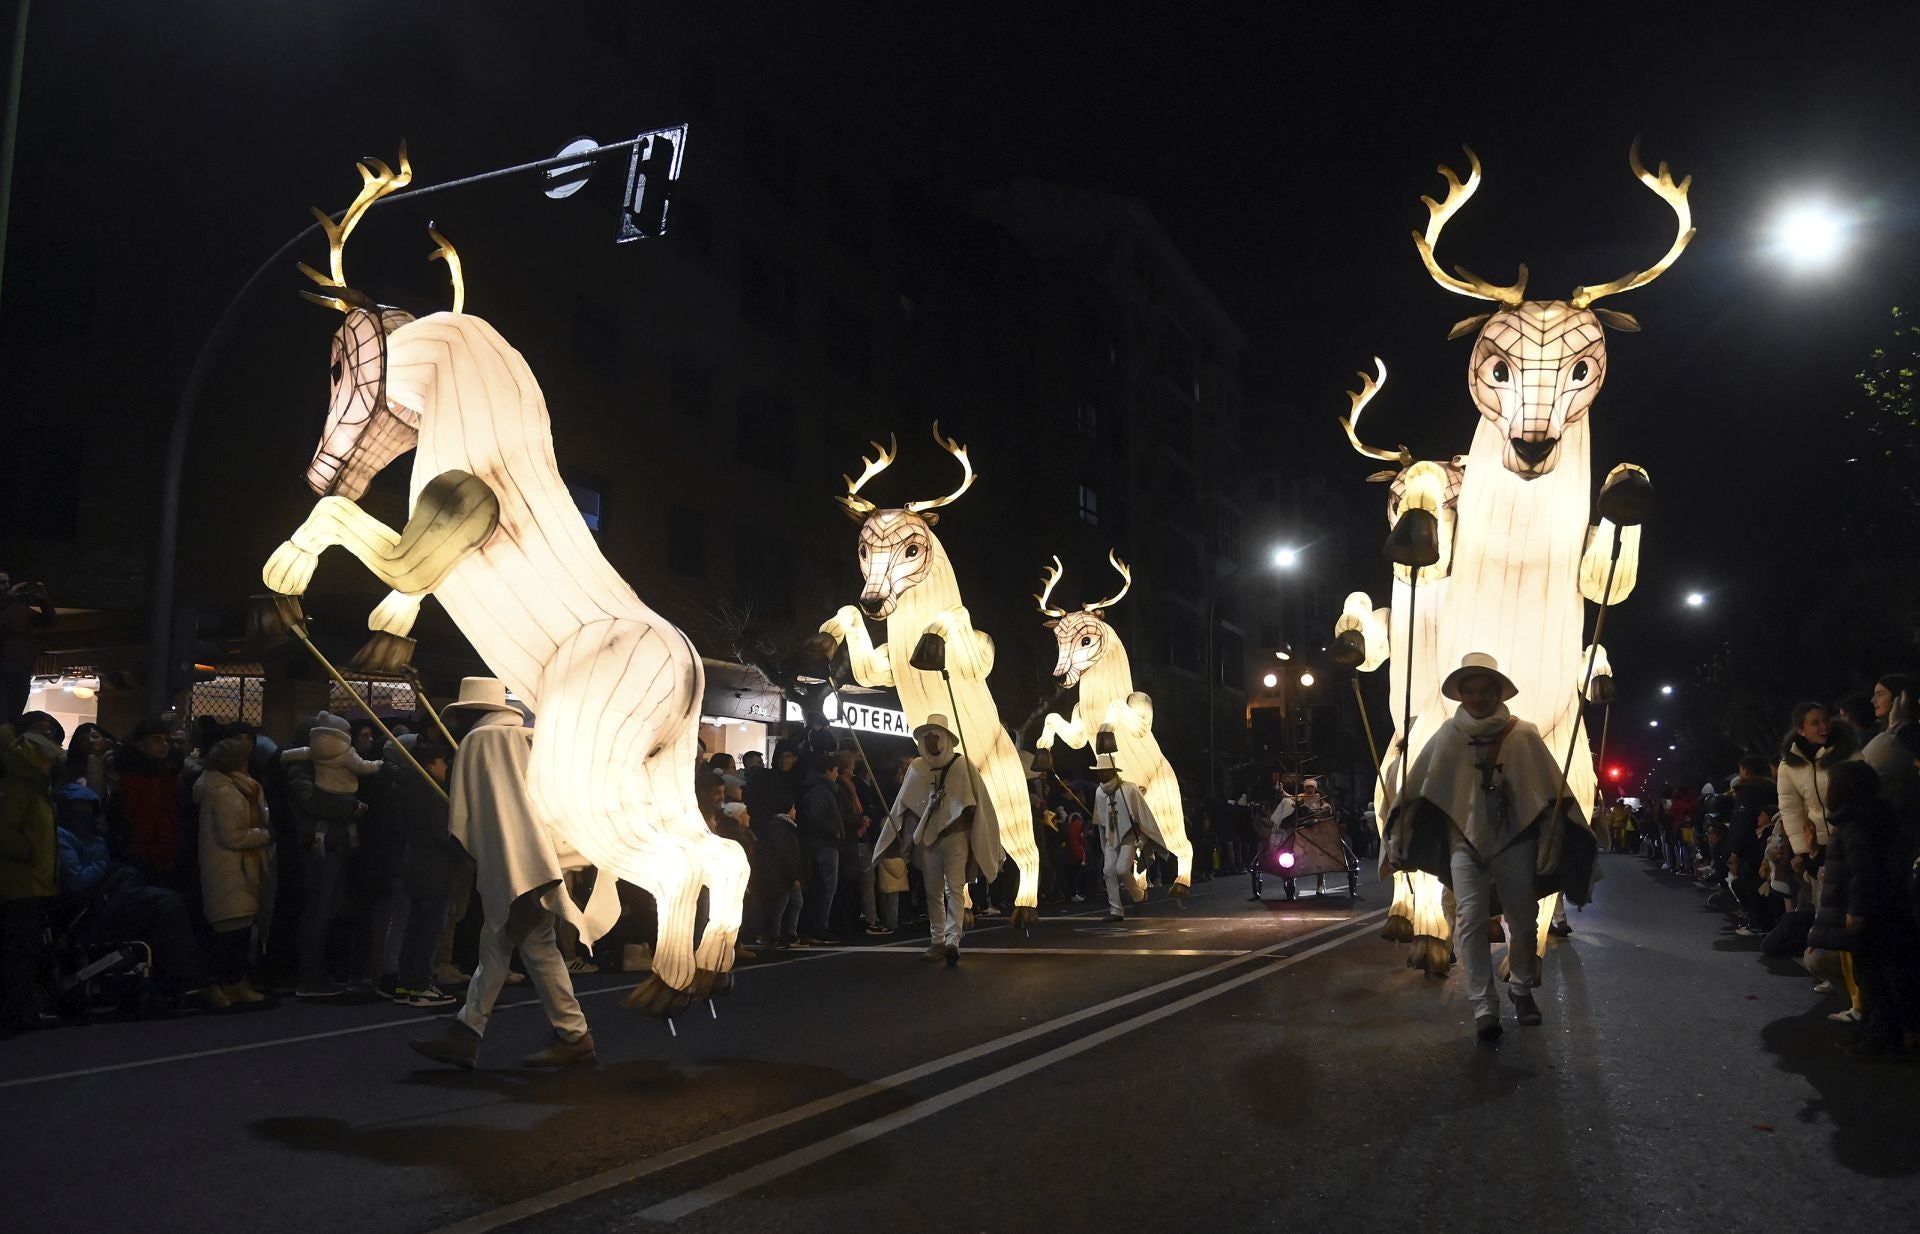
(856,505)
(377,180)
(1468,283)
(447,254)
(1048,582)
(1358,400)
(1126,582)
(958,451)
(1675,195)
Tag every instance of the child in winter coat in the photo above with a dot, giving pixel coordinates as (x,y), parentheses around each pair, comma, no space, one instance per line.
(337,766)
(780,869)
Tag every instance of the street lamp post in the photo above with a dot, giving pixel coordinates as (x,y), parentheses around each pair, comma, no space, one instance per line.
(160,610)
(1282,557)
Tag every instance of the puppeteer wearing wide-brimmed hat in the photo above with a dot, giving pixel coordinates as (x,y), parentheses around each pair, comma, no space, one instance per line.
(1490,781)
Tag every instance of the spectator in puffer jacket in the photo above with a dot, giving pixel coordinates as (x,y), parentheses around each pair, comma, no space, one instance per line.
(234,859)
(1866,910)
(337,765)
(146,816)
(1813,747)
(27,881)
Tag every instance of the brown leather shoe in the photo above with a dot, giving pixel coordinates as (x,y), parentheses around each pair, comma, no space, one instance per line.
(562,1053)
(458,1045)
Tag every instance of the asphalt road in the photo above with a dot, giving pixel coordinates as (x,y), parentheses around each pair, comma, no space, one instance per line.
(1223,1064)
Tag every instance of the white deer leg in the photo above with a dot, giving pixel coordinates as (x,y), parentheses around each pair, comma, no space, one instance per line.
(395,615)
(872,666)
(454,514)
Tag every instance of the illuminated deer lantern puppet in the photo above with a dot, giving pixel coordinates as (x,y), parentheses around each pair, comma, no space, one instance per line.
(494,534)
(1093,657)
(908,582)
(1518,558)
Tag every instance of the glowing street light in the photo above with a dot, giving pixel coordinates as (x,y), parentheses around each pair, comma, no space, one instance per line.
(1810,235)
(1673,747)
(1270,681)
(1285,557)
(1653,724)
(1696,599)
(1667,690)
(1306,679)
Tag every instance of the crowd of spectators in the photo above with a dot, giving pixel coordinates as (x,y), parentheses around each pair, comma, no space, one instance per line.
(245,870)
(1814,850)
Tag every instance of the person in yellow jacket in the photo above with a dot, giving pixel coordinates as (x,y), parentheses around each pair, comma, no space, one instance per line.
(28,878)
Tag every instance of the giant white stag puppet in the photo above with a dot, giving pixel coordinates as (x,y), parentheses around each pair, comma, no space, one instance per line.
(493,534)
(1093,657)
(1518,555)
(907,582)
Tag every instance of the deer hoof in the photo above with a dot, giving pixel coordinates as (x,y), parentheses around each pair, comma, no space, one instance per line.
(1024,915)
(655,997)
(1181,891)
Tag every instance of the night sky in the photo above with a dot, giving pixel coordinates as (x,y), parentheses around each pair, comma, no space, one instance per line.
(1283,147)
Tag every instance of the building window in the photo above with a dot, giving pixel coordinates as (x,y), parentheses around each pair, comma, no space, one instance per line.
(687,541)
(596,337)
(766,290)
(691,390)
(770,156)
(766,432)
(1226,534)
(1089,506)
(849,343)
(586,498)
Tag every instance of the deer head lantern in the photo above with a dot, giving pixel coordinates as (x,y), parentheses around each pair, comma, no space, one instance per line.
(897,548)
(1538,364)
(1085,636)
(365,431)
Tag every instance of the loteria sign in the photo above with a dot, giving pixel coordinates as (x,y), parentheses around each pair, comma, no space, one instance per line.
(860,717)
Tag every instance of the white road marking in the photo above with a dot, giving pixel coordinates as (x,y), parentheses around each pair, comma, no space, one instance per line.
(974,952)
(796,957)
(812,1154)
(632,1172)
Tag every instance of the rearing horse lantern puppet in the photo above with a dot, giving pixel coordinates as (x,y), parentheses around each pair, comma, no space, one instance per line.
(908,582)
(1518,557)
(493,533)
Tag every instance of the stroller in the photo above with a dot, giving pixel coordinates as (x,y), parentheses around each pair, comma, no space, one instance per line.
(88,969)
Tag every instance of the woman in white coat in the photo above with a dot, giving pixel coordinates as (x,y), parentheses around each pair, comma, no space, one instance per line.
(1813,747)
(234,846)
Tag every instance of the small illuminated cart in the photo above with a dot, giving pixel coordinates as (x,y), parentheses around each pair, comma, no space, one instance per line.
(1310,843)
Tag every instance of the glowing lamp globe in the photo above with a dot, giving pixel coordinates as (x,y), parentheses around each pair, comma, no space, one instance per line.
(1286,861)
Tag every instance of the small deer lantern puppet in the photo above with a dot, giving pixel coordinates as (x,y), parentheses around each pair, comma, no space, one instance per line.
(1093,657)
(908,583)
(1518,555)
(494,534)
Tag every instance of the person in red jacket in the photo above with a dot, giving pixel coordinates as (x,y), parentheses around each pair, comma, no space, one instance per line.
(146,815)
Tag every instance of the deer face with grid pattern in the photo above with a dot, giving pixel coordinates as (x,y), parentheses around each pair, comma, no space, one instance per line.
(1082,636)
(365,431)
(1538,364)
(897,547)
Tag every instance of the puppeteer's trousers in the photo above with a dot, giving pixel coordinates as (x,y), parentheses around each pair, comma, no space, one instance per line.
(943,864)
(1117,863)
(1475,880)
(540,952)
